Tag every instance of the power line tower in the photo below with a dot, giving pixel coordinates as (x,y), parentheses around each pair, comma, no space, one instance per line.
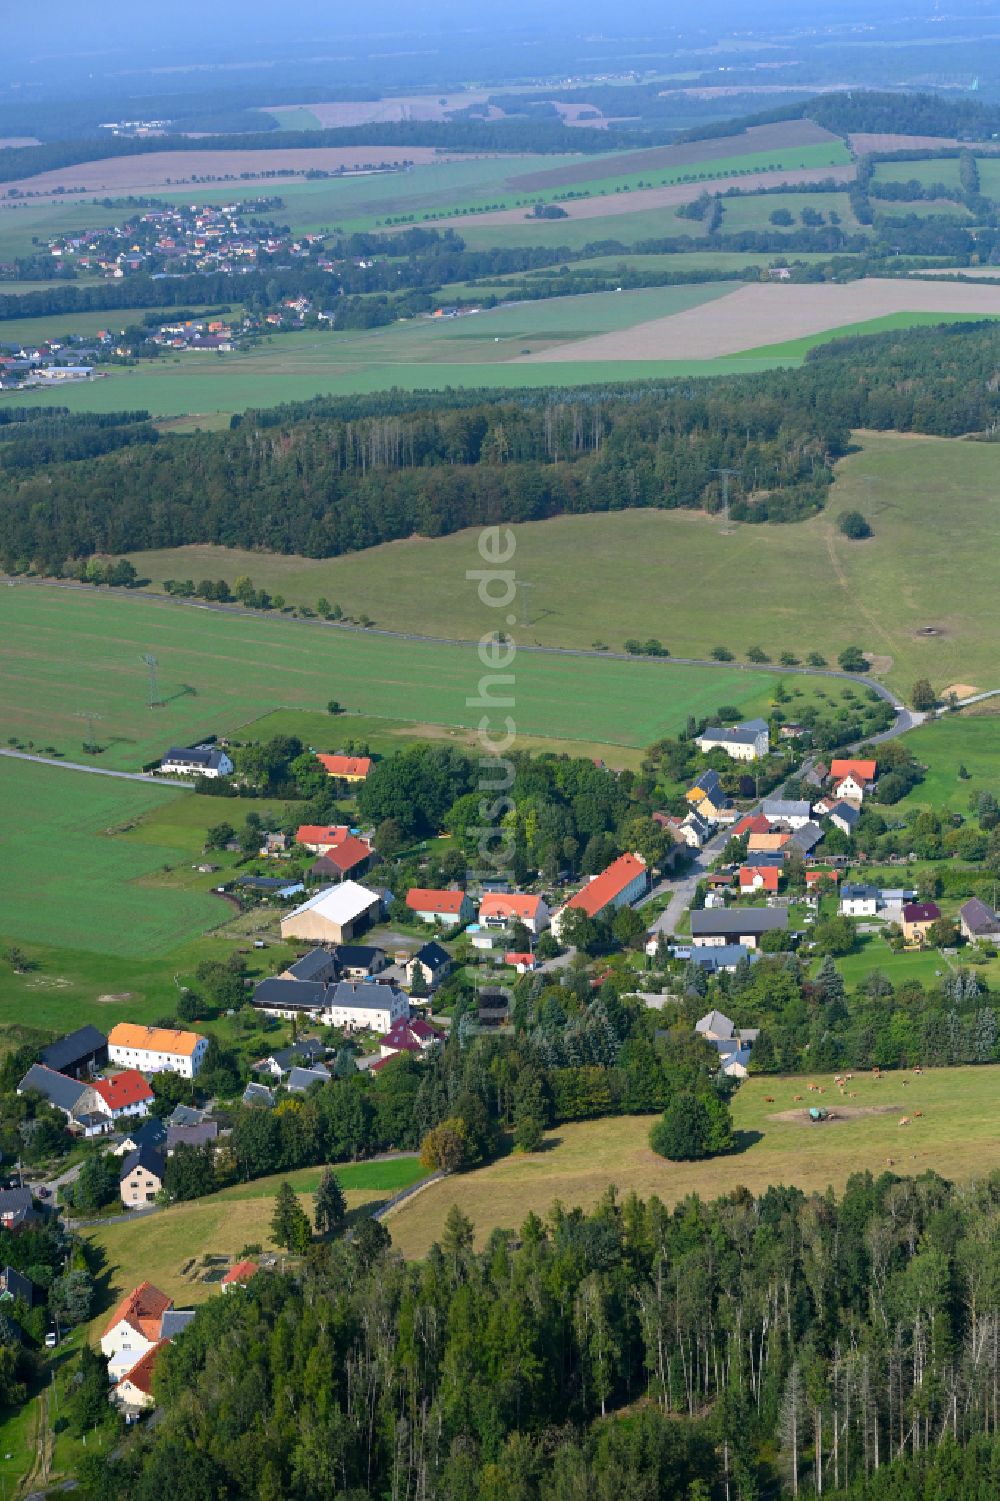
(727,475)
(153,668)
(90,715)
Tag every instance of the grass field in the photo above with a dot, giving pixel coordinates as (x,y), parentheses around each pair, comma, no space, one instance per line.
(753,211)
(57,833)
(70,647)
(157,1247)
(932,503)
(954,741)
(956,1137)
(926,171)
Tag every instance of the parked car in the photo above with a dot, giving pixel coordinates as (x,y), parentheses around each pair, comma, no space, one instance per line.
(51,1340)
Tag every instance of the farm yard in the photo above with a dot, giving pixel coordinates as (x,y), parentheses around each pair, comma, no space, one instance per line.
(606,577)
(955,1135)
(69,647)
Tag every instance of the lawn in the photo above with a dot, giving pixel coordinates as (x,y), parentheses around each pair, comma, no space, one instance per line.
(74,877)
(158,1247)
(754,210)
(671,573)
(926,171)
(72,647)
(926,966)
(385,736)
(955,1136)
(968,740)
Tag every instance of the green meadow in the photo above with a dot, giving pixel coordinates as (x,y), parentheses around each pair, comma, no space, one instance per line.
(67,649)
(930,563)
(77,875)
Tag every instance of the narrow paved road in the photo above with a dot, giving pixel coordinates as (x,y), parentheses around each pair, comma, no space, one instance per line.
(97,771)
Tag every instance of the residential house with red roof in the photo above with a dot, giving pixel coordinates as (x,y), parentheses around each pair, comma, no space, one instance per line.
(133,1393)
(852,778)
(414,1036)
(452,907)
(759,877)
(347,768)
(754,823)
(124,1094)
(525,964)
(623,882)
(239,1275)
(498,908)
(134,1328)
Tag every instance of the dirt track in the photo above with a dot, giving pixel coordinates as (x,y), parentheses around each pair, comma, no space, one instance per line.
(762,314)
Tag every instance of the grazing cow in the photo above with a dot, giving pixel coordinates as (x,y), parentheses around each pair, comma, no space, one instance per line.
(904,1120)
(917,1114)
(769,1099)
(797,1097)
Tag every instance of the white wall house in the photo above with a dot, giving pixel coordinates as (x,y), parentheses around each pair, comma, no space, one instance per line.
(197,761)
(743,742)
(156,1050)
(359,1006)
(860,901)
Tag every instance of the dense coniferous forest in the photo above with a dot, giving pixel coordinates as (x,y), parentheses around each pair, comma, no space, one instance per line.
(746,1347)
(326,482)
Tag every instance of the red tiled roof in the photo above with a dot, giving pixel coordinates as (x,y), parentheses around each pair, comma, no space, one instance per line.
(596,895)
(863,771)
(143,1309)
(768,875)
(348,853)
(141,1374)
(126,1088)
(509,904)
(322,833)
(425,899)
(757,824)
(528,960)
(241,1272)
(346,766)
(814,877)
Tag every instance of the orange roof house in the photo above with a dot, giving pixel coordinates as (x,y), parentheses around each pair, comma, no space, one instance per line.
(514,906)
(142,1310)
(862,771)
(759,877)
(450,903)
(239,1275)
(766,843)
(348,768)
(135,1389)
(817,877)
(624,879)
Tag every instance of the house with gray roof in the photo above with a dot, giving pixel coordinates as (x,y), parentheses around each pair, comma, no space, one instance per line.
(977,920)
(14,1284)
(793,812)
(723,956)
(175,1321)
(805,838)
(17,1207)
(290,998)
(78,1054)
(845,816)
(360,1005)
(742,925)
(72,1096)
(748,741)
(301,1079)
(318,965)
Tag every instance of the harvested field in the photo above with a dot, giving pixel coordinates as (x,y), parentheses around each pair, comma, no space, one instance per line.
(862,142)
(607,206)
(986,273)
(779,137)
(158,169)
(739,320)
